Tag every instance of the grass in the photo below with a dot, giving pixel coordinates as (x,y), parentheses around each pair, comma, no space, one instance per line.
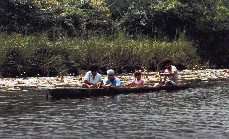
(37,55)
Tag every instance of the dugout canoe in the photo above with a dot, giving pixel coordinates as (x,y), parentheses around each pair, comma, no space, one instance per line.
(71,92)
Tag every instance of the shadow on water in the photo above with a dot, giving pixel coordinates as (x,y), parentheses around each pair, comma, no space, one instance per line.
(190,113)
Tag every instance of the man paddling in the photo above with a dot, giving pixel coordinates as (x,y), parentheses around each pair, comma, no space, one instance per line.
(92,78)
(111,80)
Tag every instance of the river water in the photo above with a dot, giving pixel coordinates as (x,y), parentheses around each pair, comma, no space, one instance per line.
(192,113)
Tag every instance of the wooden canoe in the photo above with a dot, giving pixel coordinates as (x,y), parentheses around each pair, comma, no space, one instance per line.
(71,92)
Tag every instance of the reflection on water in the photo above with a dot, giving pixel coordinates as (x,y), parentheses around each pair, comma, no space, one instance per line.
(191,113)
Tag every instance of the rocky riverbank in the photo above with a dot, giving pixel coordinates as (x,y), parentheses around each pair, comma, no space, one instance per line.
(37,83)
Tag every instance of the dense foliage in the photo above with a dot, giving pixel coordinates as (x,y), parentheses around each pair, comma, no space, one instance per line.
(38,56)
(205,22)
(155,18)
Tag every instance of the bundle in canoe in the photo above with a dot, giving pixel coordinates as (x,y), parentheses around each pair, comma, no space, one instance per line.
(72,92)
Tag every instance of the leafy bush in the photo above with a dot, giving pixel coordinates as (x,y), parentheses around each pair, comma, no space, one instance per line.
(38,56)
(205,22)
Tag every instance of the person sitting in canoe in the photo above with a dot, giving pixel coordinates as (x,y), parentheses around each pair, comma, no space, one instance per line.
(169,72)
(137,82)
(168,76)
(111,80)
(92,78)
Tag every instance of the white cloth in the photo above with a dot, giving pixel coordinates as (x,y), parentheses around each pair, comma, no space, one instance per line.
(94,80)
(173,71)
(110,72)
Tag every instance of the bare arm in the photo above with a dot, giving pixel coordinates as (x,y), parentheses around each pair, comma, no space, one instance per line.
(87,82)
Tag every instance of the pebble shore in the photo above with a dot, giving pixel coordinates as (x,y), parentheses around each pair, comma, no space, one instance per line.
(38,83)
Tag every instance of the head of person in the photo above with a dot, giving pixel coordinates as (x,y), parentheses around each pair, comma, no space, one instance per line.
(111,74)
(167,63)
(137,75)
(94,69)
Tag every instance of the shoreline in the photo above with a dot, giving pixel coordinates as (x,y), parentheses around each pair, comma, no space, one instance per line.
(40,83)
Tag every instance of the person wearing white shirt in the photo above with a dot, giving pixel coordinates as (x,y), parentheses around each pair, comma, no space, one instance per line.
(92,78)
(170,73)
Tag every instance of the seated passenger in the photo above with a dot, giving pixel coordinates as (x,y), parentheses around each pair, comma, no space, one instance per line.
(92,78)
(138,82)
(111,80)
(170,73)
(168,76)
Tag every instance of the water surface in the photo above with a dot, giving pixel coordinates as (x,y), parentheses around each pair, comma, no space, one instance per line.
(192,113)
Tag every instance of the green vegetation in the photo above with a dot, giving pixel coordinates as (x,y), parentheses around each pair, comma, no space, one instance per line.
(33,55)
(152,29)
